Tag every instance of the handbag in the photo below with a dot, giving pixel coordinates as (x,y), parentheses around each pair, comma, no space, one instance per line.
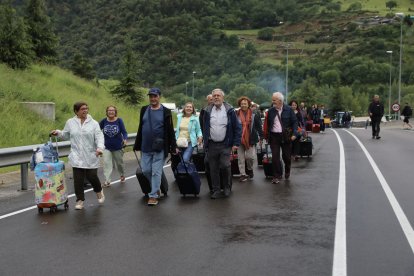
(157,143)
(182,142)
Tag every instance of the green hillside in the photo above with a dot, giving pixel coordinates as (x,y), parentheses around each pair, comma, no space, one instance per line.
(20,126)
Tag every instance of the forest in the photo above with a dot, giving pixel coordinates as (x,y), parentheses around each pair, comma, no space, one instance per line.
(336,52)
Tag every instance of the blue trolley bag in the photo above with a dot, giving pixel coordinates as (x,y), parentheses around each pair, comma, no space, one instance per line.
(187,178)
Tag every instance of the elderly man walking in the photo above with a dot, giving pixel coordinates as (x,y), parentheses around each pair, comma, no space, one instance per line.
(376,111)
(280,129)
(222,134)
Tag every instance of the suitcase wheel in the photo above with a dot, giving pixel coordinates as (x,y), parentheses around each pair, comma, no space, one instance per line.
(53,209)
(40,210)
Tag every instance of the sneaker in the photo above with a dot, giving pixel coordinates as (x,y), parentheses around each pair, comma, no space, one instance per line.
(101,197)
(243,178)
(378,137)
(287,175)
(217,195)
(122,179)
(106,184)
(275,180)
(152,201)
(251,175)
(79,205)
(159,193)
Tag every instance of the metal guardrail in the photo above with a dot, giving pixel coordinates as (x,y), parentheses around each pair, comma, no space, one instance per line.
(22,155)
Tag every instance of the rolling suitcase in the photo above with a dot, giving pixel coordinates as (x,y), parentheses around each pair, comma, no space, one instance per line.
(50,188)
(309,124)
(305,147)
(316,128)
(234,164)
(198,159)
(260,152)
(145,183)
(267,164)
(187,178)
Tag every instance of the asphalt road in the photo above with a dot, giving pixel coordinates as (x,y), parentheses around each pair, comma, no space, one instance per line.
(262,229)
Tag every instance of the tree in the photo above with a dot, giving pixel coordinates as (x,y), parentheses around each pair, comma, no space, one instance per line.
(39,29)
(127,89)
(391,4)
(82,67)
(330,77)
(265,34)
(15,46)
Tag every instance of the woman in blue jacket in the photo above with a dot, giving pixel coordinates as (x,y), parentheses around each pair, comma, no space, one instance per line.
(188,132)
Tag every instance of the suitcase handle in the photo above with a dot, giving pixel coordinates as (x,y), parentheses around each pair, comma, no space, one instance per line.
(136,156)
(56,142)
(182,161)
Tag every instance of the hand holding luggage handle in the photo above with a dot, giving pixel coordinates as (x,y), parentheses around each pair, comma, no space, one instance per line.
(57,146)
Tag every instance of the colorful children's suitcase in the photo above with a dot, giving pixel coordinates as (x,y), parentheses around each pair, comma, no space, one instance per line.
(50,190)
(145,183)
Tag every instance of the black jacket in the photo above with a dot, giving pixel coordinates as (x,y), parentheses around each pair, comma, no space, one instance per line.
(170,144)
(407,112)
(288,117)
(377,109)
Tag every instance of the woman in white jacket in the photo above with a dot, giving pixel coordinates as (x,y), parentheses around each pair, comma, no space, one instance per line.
(87,144)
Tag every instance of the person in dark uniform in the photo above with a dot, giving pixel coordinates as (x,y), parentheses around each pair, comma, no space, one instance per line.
(376,111)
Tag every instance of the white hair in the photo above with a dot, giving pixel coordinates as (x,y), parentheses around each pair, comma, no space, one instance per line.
(279,95)
(218,90)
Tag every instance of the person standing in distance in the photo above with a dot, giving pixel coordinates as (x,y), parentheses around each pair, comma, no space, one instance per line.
(376,111)
(86,145)
(222,134)
(407,113)
(155,139)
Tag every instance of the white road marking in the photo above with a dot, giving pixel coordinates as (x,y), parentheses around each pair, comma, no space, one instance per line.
(69,196)
(402,218)
(339,267)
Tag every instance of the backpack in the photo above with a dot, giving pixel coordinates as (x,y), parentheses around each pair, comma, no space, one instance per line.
(44,154)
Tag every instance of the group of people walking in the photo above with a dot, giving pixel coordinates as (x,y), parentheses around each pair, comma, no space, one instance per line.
(220,129)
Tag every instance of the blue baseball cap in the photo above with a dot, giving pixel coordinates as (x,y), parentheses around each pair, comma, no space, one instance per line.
(154,91)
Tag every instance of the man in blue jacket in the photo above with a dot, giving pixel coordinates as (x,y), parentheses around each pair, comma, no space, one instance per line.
(222,134)
(280,129)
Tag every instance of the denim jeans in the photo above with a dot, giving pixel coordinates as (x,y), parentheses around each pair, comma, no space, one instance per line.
(152,165)
(188,152)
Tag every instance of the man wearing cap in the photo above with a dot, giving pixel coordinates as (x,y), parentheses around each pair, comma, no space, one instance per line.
(155,139)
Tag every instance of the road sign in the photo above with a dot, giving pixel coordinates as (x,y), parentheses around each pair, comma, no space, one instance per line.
(395,107)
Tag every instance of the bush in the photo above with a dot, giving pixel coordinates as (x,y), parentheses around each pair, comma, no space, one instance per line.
(266,34)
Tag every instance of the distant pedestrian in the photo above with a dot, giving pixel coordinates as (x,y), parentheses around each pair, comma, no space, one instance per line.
(188,133)
(376,111)
(322,114)
(155,139)
(407,113)
(301,129)
(252,133)
(86,145)
(280,129)
(222,134)
(116,136)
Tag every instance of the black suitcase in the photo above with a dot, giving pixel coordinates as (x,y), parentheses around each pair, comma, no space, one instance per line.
(260,153)
(267,163)
(144,182)
(305,147)
(198,159)
(187,178)
(234,164)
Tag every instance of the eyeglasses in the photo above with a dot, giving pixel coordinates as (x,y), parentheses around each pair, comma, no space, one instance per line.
(84,108)
(111,110)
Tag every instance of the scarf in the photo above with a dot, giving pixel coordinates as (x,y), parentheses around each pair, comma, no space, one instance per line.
(246,121)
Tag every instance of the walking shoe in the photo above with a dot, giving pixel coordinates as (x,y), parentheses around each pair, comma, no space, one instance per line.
(159,193)
(216,195)
(152,201)
(287,175)
(101,196)
(243,178)
(79,205)
(227,192)
(106,184)
(122,179)
(378,137)
(275,180)
(251,175)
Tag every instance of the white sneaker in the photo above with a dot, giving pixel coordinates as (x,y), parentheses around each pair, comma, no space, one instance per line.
(106,184)
(79,205)
(101,196)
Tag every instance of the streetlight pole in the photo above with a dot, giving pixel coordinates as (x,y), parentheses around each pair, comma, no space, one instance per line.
(194,72)
(401,16)
(287,70)
(389,93)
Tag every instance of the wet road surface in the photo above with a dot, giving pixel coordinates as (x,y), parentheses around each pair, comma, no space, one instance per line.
(262,229)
